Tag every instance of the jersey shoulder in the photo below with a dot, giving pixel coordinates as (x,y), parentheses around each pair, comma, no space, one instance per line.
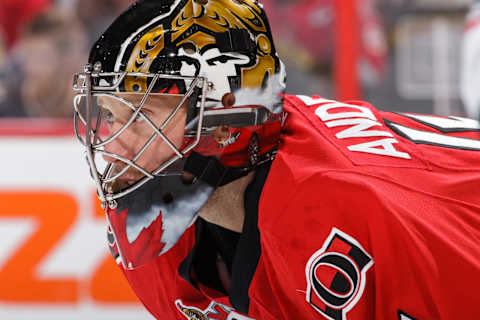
(366,136)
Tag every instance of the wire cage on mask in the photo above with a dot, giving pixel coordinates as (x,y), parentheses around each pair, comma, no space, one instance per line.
(93,84)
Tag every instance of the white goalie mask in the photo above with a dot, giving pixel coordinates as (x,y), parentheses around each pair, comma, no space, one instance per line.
(192,55)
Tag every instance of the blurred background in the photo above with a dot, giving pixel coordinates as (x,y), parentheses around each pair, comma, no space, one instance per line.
(400,55)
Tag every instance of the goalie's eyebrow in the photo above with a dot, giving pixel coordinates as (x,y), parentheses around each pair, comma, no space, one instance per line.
(222,58)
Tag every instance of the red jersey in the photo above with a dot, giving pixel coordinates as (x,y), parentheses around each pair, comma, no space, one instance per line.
(363,214)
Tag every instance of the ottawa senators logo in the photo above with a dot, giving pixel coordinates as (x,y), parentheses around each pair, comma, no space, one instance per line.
(214,311)
(336,275)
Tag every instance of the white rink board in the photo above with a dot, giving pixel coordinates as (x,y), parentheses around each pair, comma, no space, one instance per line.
(55,164)
(84,311)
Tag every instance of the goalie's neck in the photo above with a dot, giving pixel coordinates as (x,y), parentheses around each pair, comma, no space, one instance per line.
(226,206)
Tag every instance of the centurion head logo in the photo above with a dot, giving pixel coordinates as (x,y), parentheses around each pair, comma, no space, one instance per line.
(228,42)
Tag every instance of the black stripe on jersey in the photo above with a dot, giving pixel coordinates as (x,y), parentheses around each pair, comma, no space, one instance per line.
(404,316)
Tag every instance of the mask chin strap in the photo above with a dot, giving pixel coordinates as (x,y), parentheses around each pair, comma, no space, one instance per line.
(211,171)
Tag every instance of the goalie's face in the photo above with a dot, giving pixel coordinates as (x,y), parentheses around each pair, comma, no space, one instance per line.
(148,141)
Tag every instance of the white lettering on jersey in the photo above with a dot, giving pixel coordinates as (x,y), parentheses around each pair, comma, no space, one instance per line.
(359,130)
(359,120)
(322,111)
(383,147)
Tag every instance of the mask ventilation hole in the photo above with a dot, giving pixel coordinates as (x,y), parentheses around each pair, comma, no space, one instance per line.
(167,198)
(97,67)
(189,47)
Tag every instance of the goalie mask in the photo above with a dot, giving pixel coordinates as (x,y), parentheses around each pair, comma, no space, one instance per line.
(179,97)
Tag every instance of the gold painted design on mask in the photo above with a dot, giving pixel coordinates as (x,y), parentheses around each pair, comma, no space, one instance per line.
(253,77)
(218,16)
(214,16)
(142,57)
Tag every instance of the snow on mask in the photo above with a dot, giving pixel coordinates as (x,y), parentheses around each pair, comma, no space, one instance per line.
(150,221)
(268,97)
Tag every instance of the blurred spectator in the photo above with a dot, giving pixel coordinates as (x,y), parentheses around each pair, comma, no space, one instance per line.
(303,36)
(3,91)
(305,33)
(470,79)
(39,70)
(3,48)
(372,43)
(14,14)
(97,15)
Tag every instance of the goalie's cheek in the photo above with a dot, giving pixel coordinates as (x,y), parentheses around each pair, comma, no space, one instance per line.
(174,130)
(121,146)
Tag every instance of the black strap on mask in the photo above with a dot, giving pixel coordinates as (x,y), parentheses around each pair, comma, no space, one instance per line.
(211,171)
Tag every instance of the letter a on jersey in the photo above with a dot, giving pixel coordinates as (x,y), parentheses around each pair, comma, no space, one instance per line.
(336,275)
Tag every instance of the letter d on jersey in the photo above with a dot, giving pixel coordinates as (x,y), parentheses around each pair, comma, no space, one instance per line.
(336,275)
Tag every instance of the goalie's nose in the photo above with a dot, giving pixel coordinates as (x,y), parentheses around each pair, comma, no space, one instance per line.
(118,149)
(120,146)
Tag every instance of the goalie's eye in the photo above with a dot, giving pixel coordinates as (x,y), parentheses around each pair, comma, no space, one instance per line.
(222,59)
(106,114)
